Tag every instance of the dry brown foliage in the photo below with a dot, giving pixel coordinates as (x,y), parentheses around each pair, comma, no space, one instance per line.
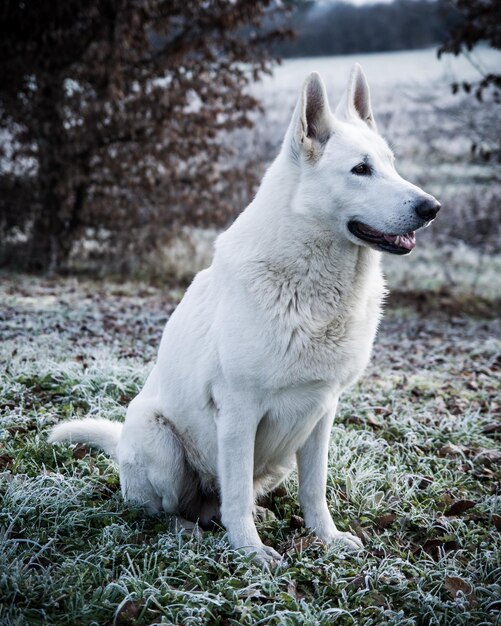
(111,113)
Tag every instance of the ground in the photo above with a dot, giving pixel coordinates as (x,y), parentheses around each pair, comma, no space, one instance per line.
(414,471)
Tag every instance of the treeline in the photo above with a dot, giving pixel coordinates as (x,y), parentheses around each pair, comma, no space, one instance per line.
(341,28)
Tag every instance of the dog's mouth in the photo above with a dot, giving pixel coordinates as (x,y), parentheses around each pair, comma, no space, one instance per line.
(396,244)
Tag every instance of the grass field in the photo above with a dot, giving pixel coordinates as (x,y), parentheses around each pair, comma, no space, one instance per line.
(414,471)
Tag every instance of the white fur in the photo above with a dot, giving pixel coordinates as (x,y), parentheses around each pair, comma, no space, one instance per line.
(98,433)
(253,360)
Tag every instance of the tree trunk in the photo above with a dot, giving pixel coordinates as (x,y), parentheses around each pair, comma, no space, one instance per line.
(50,243)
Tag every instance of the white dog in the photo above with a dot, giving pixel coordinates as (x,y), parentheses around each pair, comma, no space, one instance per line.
(253,360)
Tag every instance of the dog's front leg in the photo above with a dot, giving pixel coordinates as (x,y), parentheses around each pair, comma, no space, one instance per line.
(236,429)
(312,461)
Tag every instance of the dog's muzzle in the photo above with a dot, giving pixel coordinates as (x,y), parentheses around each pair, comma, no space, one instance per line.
(395,244)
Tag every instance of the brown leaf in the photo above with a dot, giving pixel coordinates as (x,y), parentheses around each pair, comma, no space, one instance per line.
(292,591)
(278,492)
(435,547)
(456,586)
(494,427)
(460,506)
(372,421)
(487,456)
(385,520)
(382,410)
(484,473)
(80,451)
(6,461)
(296,521)
(354,419)
(128,613)
(425,482)
(302,543)
(17,430)
(81,359)
(360,421)
(359,581)
(451,449)
(497,521)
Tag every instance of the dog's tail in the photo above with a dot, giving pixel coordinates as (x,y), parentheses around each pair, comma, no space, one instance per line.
(96,433)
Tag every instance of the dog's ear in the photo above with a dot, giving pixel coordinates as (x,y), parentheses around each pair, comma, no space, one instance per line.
(311,124)
(356,101)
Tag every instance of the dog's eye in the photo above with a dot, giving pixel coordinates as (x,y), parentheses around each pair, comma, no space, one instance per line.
(362,169)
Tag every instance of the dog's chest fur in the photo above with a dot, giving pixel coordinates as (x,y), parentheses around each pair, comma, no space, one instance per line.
(321,309)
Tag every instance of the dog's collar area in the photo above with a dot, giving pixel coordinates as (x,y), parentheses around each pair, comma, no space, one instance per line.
(395,244)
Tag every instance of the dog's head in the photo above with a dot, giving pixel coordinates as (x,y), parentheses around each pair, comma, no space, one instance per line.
(347,175)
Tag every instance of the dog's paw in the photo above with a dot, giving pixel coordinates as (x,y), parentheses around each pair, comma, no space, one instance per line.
(328,534)
(347,541)
(264,556)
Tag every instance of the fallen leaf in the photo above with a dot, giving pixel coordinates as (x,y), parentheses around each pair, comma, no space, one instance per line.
(354,419)
(6,460)
(494,427)
(425,482)
(302,543)
(497,521)
(7,405)
(128,613)
(17,430)
(451,449)
(456,586)
(460,506)
(385,520)
(80,451)
(278,492)
(293,592)
(359,581)
(296,521)
(484,473)
(487,456)
(381,410)
(435,547)
(372,421)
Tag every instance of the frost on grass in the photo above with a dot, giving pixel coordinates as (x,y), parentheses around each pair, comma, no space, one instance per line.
(414,471)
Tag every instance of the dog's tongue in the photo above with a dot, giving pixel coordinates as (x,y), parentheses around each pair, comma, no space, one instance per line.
(407,241)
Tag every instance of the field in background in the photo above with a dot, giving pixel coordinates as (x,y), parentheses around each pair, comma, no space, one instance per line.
(431,132)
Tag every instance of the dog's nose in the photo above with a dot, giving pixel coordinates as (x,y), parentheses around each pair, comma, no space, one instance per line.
(427,209)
